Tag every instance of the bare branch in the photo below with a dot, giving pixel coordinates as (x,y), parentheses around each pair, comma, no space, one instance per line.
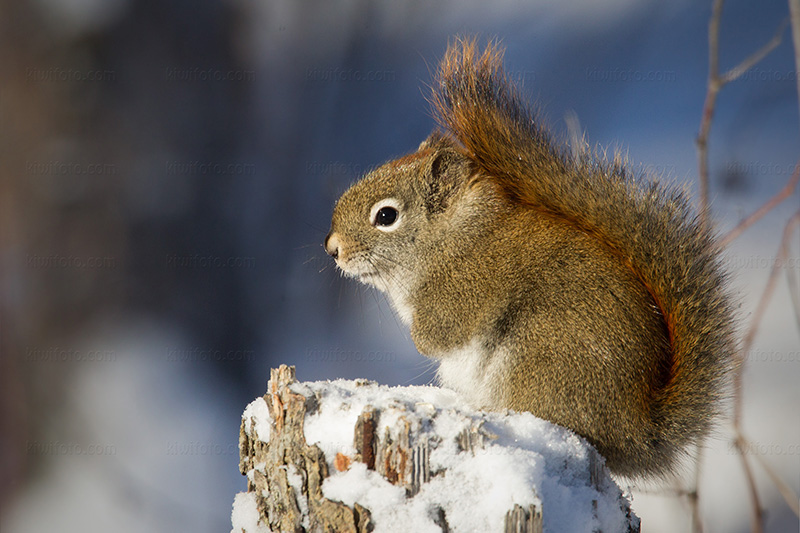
(794,292)
(708,106)
(758,511)
(752,60)
(713,38)
(694,495)
(794,11)
(715,83)
(766,296)
(785,490)
(787,191)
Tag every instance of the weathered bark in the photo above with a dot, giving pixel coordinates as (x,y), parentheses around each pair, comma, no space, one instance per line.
(286,473)
(287,454)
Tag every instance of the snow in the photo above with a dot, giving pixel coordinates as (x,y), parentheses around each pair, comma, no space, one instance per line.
(295,480)
(257,412)
(524,460)
(244,516)
(367,487)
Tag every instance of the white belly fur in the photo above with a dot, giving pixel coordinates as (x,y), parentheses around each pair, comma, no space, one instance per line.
(474,374)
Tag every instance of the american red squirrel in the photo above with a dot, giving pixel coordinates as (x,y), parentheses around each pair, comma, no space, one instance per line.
(542,281)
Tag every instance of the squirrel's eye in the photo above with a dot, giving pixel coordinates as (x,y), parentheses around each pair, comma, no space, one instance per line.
(385,216)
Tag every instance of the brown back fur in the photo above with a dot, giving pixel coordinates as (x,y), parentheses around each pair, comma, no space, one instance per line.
(640,237)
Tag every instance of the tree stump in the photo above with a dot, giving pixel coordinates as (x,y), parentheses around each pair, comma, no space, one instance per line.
(416,459)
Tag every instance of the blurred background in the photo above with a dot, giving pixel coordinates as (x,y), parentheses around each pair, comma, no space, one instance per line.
(168,174)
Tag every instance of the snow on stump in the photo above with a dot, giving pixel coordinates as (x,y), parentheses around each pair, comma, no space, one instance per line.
(354,456)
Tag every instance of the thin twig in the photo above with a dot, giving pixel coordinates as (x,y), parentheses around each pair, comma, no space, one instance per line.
(766,296)
(694,495)
(794,12)
(708,106)
(785,490)
(715,83)
(758,511)
(754,58)
(794,292)
(787,191)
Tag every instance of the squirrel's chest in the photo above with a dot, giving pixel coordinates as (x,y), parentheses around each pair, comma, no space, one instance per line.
(475,373)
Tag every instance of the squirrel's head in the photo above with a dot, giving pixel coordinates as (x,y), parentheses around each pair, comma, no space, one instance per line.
(385,221)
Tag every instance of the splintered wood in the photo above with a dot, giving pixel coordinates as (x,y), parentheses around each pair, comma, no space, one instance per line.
(286,456)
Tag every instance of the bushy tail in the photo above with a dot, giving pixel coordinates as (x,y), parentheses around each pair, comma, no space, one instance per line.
(651,228)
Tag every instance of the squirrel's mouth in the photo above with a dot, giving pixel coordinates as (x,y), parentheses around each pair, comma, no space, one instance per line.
(367,277)
(373,279)
(364,275)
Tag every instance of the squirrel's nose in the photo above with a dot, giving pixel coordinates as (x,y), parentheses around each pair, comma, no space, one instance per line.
(332,245)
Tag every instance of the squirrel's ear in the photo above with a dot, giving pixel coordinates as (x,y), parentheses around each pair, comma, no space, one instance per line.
(433,139)
(448,170)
